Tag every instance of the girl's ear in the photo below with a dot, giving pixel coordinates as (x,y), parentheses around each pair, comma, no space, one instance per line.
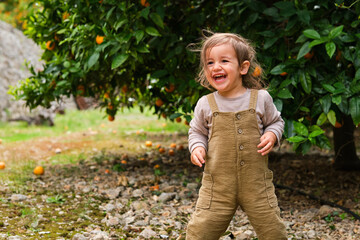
(244,68)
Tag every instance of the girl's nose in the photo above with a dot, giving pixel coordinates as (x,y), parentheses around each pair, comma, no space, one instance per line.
(216,66)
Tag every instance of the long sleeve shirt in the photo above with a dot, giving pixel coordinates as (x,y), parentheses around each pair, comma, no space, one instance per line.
(268,117)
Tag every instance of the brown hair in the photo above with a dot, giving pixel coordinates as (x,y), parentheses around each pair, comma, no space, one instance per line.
(244,51)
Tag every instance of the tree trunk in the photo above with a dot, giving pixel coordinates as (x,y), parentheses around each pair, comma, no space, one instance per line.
(344,144)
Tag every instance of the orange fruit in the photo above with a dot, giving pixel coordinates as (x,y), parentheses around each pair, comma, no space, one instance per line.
(107,171)
(158,146)
(256,72)
(56,37)
(163,115)
(155,188)
(283,74)
(99,39)
(180,147)
(148,143)
(111,118)
(123,161)
(110,106)
(186,123)
(159,102)
(106,95)
(337,125)
(173,145)
(157,166)
(171,152)
(39,170)
(161,150)
(178,119)
(100,1)
(65,15)
(145,3)
(309,55)
(124,89)
(170,89)
(50,45)
(2,165)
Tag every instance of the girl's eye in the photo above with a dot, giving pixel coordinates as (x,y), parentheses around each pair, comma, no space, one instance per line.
(209,63)
(225,60)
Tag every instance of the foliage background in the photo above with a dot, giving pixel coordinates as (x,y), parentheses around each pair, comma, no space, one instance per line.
(127,52)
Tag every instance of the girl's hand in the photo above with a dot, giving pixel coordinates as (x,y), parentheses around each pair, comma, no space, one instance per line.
(198,156)
(267,142)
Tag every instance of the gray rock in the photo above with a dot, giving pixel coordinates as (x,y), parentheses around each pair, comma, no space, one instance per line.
(113,193)
(14,238)
(324,211)
(138,193)
(311,234)
(18,197)
(147,233)
(79,236)
(165,197)
(192,186)
(109,207)
(113,221)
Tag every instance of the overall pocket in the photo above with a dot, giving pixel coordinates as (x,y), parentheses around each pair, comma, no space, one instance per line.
(270,189)
(205,192)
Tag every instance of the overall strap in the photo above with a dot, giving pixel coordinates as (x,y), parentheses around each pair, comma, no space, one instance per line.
(213,106)
(253,99)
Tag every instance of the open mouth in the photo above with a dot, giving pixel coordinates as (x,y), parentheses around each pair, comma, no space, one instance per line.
(219,77)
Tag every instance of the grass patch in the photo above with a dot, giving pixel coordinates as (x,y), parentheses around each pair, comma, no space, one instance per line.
(78,135)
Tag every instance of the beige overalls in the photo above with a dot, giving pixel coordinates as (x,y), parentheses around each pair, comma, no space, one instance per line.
(235,174)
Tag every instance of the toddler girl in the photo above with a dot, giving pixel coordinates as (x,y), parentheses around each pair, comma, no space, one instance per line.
(233,130)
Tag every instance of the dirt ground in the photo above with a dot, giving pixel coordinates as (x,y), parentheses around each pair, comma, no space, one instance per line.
(121,194)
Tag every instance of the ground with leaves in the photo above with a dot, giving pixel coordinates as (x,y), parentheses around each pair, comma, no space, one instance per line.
(144,194)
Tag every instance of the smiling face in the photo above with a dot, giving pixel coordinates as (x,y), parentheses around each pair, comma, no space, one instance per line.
(223,71)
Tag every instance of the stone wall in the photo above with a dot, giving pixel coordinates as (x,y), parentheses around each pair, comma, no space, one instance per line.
(15,50)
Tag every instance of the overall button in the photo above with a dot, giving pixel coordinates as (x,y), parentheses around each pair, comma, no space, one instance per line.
(238,116)
(240,131)
(215,114)
(252,110)
(242,163)
(241,147)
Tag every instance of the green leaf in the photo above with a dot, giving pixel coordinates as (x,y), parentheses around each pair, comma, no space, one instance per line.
(152,31)
(304,16)
(157,19)
(325,103)
(328,88)
(145,12)
(269,42)
(311,33)
(330,48)
(93,59)
(301,129)
(175,115)
(139,34)
(336,32)
(357,74)
(304,109)
(322,119)
(317,42)
(278,104)
(316,133)
(278,69)
(355,109)
(336,99)
(284,94)
(119,60)
(305,81)
(303,50)
(332,117)
(296,139)
(142,49)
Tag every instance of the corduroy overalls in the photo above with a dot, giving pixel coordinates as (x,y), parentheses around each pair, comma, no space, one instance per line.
(235,175)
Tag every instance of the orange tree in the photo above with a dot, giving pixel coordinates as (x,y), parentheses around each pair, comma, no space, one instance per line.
(127,52)
(13,11)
